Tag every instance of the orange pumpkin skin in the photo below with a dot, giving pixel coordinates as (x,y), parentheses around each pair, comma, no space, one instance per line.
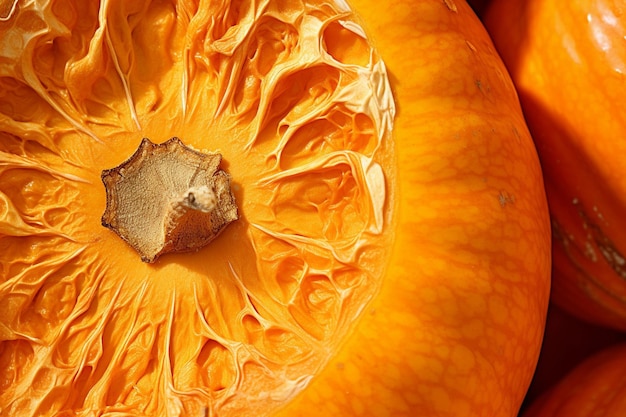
(567,59)
(595,388)
(457,325)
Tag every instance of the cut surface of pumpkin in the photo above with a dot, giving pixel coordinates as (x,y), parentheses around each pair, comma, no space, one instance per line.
(297,102)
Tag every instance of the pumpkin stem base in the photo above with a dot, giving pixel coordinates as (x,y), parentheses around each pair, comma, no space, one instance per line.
(168,198)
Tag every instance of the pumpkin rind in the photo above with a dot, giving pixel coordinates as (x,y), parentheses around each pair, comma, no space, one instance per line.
(567,59)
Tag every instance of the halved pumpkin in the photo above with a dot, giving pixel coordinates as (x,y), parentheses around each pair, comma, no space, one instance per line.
(391,255)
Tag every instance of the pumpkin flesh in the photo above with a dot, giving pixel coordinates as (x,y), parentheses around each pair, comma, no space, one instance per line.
(245,323)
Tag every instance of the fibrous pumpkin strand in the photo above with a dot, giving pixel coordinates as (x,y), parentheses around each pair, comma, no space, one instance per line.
(168,198)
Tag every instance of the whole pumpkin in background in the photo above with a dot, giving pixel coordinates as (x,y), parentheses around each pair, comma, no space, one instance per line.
(594,388)
(568,340)
(392,251)
(567,59)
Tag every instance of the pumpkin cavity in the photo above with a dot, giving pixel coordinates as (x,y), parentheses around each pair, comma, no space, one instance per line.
(291,100)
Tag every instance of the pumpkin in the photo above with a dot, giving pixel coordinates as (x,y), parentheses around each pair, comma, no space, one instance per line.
(389,249)
(594,388)
(567,61)
(567,341)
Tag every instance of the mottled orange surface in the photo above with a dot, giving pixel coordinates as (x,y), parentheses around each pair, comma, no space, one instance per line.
(568,60)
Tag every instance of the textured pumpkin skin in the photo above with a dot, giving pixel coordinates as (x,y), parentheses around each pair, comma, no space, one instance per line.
(595,388)
(567,59)
(456,328)
(453,330)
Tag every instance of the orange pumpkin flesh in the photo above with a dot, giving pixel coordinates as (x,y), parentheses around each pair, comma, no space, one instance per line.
(381,265)
(567,59)
(244,324)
